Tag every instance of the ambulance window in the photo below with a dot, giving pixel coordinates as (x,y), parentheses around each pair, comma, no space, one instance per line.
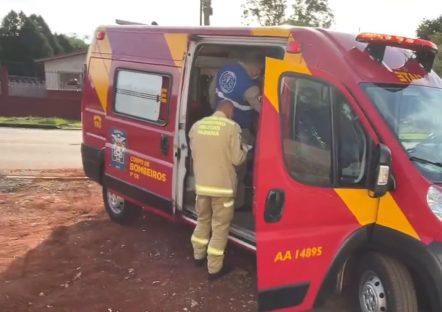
(351,141)
(142,95)
(306,128)
(307,131)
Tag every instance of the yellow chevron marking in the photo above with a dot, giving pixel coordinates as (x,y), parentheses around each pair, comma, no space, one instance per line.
(275,68)
(365,210)
(271,32)
(360,204)
(391,215)
(99,76)
(177,46)
(99,68)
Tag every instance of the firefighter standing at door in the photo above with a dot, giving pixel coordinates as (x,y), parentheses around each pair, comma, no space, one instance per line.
(216,150)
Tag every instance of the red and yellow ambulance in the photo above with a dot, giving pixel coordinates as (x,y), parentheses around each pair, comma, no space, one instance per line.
(345,185)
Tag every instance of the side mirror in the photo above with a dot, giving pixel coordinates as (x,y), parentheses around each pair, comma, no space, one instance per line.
(382,164)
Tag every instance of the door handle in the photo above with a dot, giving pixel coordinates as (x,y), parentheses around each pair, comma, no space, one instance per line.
(274,206)
(164,144)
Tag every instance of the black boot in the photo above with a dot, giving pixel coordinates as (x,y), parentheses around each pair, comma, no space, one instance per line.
(224,271)
(199,263)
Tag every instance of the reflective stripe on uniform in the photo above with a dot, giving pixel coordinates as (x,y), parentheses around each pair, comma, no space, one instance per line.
(213,191)
(235,104)
(215,252)
(201,241)
(229,203)
(208,132)
(211,126)
(216,120)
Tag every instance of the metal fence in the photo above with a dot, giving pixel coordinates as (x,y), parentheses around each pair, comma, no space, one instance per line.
(26,86)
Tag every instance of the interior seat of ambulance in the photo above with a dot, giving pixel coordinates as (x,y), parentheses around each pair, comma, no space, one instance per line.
(209,58)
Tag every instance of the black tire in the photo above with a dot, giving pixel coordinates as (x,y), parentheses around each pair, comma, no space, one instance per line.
(386,281)
(123,213)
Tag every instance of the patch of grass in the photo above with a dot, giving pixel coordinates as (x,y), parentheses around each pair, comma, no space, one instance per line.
(43,121)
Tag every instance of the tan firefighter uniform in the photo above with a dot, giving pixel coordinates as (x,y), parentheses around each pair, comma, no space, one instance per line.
(216,150)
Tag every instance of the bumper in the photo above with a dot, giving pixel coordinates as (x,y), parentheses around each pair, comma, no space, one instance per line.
(93,162)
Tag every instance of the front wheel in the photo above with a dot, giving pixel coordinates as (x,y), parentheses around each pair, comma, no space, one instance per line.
(383,285)
(118,209)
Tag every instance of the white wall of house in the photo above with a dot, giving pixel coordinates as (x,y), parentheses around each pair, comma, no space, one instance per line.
(55,68)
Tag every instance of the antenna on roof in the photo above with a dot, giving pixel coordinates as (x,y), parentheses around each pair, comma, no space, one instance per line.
(123,22)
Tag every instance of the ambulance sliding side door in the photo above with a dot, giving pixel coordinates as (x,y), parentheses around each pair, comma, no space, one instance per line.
(139,155)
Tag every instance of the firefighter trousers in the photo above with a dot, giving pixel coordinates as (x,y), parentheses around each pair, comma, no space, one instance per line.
(214,216)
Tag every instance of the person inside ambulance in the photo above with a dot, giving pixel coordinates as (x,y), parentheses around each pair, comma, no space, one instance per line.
(217,150)
(238,84)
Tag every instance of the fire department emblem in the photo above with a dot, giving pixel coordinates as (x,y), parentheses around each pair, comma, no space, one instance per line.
(227,81)
(119,149)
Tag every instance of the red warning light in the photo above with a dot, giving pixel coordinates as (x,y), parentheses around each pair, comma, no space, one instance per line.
(294,47)
(100,35)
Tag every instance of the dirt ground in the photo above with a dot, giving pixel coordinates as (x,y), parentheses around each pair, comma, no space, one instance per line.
(59,252)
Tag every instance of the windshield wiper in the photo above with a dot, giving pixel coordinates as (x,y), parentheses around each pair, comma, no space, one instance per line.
(425,161)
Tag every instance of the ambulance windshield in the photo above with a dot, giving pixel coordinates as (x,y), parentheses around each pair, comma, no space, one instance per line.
(414,114)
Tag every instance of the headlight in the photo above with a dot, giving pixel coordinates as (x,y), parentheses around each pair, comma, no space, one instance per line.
(434,201)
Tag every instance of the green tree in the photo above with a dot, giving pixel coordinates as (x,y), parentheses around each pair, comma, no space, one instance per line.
(71,43)
(429,27)
(77,43)
(44,29)
(64,43)
(35,43)
(12,49)
(314,13)
(265,12)
(12,23)
(437,39)
(24,39)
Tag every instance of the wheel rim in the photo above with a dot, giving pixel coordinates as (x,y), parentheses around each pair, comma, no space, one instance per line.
(115,202)
(372,297)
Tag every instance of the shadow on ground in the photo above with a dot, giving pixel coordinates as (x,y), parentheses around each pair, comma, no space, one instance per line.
(98,266)
(59,252)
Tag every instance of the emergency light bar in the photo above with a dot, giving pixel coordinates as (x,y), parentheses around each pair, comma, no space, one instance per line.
(397,41)
(425,50)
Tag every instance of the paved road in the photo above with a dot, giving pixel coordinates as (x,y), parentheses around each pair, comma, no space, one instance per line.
(39,149)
